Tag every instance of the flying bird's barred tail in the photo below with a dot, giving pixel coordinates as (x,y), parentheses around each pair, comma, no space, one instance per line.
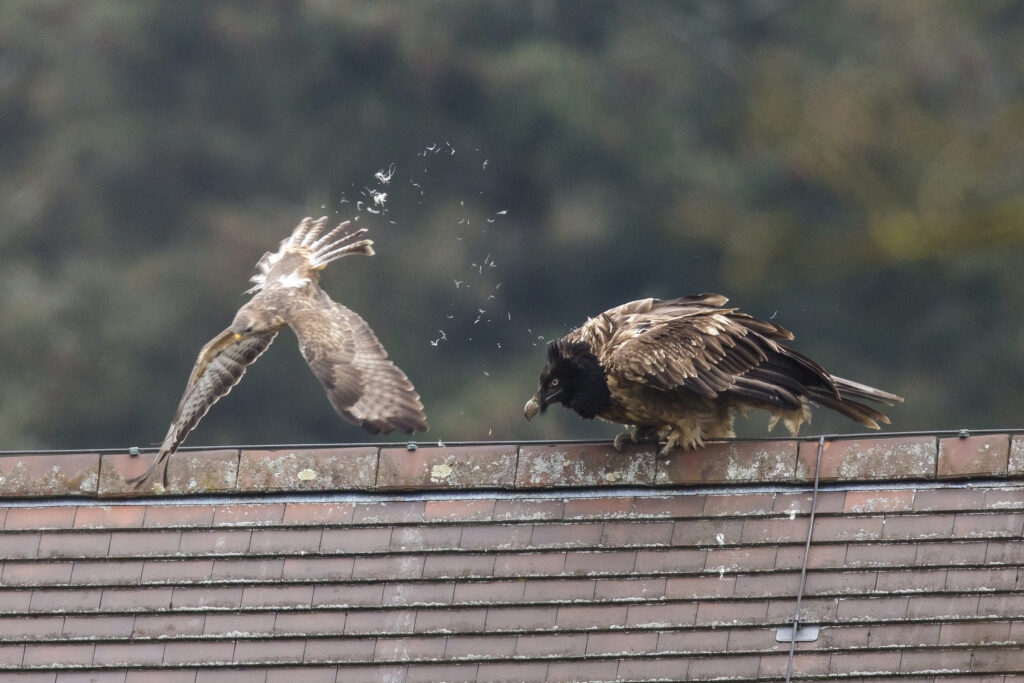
(329,247)
(320,250)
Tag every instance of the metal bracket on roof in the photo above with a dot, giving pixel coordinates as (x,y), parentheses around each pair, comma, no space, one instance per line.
(795,628)
(133,451)
(804,634)
(963,433)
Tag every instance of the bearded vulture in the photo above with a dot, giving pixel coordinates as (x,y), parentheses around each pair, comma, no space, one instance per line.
(679,370)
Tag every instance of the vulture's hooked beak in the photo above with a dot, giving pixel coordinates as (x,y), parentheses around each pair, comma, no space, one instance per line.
(531,408)
(538,404)
(237,336)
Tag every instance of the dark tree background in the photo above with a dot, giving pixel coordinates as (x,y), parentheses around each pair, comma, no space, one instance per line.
(851,169)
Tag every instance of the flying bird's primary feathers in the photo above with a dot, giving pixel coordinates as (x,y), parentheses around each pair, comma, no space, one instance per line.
(680,369)
(364,386)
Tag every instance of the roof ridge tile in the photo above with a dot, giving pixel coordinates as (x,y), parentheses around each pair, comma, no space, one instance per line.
(526,466)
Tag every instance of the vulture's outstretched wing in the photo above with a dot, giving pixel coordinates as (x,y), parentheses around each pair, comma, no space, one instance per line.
(712,351)
(701,352)
(219,367)
(364,386)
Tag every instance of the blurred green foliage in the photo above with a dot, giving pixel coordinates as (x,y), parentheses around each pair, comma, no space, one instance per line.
(851,169)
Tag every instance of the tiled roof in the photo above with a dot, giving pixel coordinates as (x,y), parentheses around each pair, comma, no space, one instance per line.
(529,562)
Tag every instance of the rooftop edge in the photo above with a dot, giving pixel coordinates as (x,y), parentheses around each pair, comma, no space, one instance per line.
(512,466)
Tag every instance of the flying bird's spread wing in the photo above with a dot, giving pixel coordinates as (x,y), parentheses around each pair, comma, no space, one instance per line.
(219,367)
(364,386)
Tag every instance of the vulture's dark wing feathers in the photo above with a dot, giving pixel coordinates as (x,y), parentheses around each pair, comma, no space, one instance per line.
(698,351)
(710,350)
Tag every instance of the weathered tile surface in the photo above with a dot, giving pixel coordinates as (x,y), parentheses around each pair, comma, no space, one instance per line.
(1016,461)
(546,466)
(870,459)
(511,466)
(588,581)
(307,469)
(198,472)
(985,455)
(736,462)
(448,467)
(75,474)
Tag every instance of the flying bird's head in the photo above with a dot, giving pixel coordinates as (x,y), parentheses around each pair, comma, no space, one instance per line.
(573,376)
(251,321)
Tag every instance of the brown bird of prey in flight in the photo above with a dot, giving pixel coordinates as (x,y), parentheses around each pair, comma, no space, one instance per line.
(364,386)
(679,371)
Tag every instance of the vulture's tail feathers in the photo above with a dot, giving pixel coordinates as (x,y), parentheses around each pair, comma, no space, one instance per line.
(853,389)
(858,412)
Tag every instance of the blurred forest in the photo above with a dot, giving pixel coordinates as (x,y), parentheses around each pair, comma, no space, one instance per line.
(853,170)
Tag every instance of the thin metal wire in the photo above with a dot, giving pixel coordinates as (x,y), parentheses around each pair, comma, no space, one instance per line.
(509,442)
(803,567)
